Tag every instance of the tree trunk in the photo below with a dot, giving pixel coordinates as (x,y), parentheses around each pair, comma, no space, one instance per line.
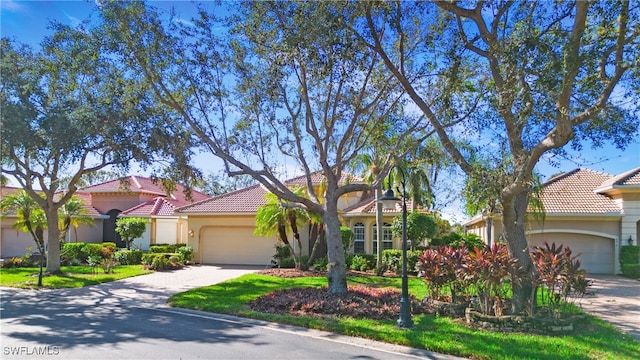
(53,241)
(336,272)
(316,237)
(514,209)
(379,221)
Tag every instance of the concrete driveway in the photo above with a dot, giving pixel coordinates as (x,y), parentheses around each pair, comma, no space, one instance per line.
(617,300)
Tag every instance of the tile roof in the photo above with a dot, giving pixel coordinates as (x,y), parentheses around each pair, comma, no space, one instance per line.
(163,204)
(158,206)
(245,200)
(573,192)
(629,178)
(317,177)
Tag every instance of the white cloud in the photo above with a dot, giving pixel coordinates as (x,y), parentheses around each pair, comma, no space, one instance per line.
(11,5)
(183,22)
(74,20)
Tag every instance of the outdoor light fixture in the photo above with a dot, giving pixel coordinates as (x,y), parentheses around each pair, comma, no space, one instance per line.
(630,240)
(389,201)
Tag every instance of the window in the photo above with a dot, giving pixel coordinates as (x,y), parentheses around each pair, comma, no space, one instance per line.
(358,238)
(387,237)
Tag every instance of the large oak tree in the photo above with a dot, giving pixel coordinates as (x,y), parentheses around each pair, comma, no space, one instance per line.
(274,83)
(549,74)
(69,110)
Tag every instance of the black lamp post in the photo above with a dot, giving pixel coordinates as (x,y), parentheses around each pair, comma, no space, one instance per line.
(389,201)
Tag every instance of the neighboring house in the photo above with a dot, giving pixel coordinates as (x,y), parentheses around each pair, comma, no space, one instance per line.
(221,229)
(131,196)
(591,212)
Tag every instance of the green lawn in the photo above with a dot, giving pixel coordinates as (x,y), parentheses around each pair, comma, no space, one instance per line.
(72,276)
(594,338)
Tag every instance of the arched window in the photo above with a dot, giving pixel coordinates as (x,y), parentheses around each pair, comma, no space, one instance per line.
(358,238)
(387,237)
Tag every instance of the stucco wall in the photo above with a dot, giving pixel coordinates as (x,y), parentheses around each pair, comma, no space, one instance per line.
(104,202)
(201,228)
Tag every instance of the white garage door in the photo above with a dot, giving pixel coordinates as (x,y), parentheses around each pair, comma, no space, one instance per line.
(236,245)
(597,253)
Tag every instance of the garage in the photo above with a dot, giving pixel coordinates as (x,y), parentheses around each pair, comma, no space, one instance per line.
(235,245)
(597,252)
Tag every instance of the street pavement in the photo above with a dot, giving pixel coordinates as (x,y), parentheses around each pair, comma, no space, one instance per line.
(129,319)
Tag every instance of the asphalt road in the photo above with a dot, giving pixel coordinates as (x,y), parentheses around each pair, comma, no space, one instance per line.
(49,326)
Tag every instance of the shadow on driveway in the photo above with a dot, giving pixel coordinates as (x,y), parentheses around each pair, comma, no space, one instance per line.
(616,300)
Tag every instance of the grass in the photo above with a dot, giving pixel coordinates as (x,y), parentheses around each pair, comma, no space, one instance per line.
(593,338)
(71,277)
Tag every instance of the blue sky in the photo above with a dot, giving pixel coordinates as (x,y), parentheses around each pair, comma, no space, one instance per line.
(27,21)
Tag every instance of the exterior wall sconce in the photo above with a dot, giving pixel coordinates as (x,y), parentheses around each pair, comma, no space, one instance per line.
(191,233)
(630,240)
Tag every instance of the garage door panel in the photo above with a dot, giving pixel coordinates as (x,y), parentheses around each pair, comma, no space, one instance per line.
(236,245)
(596,253)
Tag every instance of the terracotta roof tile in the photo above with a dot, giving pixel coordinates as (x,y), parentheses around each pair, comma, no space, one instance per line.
(573,192)
(139,184)
(158,206)
(144,185)
(631,177)
(245,200)
(318,177)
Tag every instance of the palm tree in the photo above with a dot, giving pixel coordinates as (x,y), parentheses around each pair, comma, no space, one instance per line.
(72,213)
(275,218)
(31,219)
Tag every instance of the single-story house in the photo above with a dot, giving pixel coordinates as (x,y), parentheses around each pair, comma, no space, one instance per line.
(221,229)
(591,212)
(132,196)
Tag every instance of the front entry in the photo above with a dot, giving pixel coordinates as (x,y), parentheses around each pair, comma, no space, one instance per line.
(109,233)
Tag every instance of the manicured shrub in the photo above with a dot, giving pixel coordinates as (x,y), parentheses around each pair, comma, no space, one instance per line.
(147,259)
(631,271)
(164,261)
(629,254)
(392,260)
(128,257)
(92,250)
(72,254)
(186,254)
(359,263)
(165,248)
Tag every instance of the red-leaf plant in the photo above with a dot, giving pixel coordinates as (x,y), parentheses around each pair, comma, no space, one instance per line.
(559,272)
(441,268)
(491,270)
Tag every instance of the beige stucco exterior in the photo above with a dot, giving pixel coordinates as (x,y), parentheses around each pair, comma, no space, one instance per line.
(15,242)
(229,239)
(594,237)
